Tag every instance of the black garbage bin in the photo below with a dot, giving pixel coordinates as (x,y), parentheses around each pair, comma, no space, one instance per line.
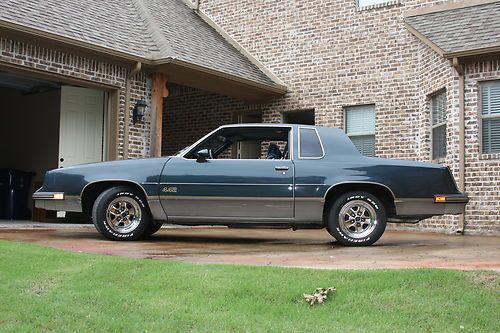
(15,187)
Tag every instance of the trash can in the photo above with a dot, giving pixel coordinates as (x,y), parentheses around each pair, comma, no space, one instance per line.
(15,187)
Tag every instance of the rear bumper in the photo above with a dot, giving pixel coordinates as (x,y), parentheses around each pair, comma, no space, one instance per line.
(57,201)
(453,204)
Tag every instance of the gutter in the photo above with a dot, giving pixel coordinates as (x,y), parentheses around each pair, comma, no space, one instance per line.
(461,137)
(126,116)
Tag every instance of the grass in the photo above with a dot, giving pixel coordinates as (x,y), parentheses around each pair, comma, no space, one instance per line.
(43,289)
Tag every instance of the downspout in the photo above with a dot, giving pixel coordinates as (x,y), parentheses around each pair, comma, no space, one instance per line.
(461,137)
(126,119)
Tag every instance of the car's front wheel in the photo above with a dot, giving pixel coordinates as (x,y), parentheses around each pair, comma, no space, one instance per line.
(121,213)
(356,219)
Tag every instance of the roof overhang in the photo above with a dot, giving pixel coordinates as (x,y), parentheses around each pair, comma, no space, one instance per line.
(449,55)
(177,71)
(469,54)
(192,75)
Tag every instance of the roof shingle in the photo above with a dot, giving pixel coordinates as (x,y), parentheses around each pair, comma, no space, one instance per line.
(462,29)
(152,29)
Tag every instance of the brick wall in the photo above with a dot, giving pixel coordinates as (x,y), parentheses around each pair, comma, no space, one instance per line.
(191,113)
(72,65)
(482,178)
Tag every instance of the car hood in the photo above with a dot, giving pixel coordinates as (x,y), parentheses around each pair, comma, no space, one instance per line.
(72,179)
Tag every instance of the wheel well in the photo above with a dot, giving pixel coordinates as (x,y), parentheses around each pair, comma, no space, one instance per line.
(380,191)
(92,191)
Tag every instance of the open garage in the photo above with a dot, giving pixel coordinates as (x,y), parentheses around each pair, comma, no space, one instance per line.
(45,124)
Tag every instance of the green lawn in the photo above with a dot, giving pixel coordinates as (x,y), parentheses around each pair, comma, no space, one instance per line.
(42,289)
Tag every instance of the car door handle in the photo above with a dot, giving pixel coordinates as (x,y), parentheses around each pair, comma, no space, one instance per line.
(281,168)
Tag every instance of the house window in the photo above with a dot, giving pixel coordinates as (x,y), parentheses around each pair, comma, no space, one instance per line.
(490,117)
(360,127)
(438,115)
(366,3)
(303,117)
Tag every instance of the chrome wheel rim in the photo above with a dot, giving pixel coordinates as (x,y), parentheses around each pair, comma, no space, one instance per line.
(123,215)
(357,219)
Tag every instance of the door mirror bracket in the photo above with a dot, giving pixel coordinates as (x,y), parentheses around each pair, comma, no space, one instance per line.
(203,155)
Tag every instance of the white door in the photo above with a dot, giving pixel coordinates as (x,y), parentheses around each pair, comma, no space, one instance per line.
(81,126)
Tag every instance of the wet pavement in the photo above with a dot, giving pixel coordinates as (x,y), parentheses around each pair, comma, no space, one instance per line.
(302,248)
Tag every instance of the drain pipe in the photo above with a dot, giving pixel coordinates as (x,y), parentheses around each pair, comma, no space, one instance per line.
(461,138)
(126,119)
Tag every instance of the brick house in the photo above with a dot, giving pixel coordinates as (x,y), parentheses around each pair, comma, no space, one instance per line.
(409,79)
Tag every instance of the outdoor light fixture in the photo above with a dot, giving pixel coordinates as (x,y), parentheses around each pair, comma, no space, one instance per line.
(139,111)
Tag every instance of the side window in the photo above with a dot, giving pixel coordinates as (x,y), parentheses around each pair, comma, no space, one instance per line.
(244,143)
(438,115)
(309,144)
(360,127)
(490,117)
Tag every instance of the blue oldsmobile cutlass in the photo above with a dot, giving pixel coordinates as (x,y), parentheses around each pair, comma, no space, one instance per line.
(256,175)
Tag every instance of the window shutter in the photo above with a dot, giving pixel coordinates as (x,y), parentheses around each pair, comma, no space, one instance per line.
(491,136)
(490,109)
(438,109)
(491,98)
(360,120)
(439,142)
(360,127)
(365,144)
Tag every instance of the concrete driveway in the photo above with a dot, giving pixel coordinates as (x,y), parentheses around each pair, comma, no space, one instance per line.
(302,248)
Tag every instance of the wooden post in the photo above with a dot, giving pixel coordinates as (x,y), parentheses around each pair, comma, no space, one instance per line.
(159,91)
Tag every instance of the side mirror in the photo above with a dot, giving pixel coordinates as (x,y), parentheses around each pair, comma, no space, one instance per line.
(202,155)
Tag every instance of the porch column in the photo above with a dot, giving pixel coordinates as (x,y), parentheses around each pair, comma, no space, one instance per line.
(158,92)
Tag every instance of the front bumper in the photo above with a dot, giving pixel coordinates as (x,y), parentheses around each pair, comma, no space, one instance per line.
(57,201)
(451,204)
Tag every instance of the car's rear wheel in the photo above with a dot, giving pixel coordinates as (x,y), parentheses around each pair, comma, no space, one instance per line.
(121,213)
(356,219)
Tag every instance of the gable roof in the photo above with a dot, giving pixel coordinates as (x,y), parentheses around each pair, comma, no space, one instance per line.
(154,31)
(471,29)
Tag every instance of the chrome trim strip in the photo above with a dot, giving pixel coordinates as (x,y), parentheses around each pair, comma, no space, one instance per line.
(452,198)
(427,206)
(48,196)
(320,142)
(71,203)
(194,197)
(320,199)
(174,218)
(234,184)
(360,182)
(150,183)
(114,180)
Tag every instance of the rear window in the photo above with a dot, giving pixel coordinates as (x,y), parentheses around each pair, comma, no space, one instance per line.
(310,145)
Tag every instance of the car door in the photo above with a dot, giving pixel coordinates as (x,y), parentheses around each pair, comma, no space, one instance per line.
(228,189)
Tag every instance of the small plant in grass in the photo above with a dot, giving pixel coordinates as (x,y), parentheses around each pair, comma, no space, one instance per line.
(319,296)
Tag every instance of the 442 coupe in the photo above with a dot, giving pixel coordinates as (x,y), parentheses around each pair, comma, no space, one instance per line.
(256,175)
